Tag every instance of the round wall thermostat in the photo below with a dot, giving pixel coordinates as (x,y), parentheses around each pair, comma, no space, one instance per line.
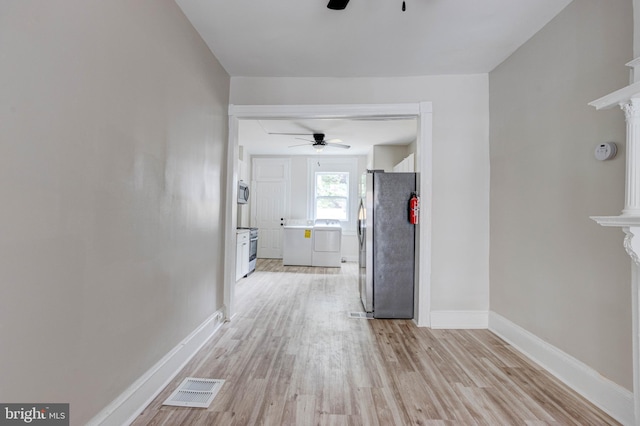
(606,151)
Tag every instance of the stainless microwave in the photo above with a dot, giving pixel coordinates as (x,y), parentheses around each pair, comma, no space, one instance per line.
(243,193)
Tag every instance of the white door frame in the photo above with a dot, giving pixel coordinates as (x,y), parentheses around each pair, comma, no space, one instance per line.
(421,110)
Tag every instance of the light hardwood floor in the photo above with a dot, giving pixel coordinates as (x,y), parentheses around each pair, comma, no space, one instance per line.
(292,356)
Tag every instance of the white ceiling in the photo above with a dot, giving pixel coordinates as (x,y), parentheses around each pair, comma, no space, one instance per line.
(370,38)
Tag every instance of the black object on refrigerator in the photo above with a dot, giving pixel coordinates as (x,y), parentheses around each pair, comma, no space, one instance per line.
(387,245)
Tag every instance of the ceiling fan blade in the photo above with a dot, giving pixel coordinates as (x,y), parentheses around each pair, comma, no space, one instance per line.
(337,4)
(291,134)
(338,145)
(301,144)
(384,118)
(303,139)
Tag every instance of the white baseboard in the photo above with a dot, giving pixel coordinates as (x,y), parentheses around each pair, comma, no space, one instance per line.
(459,319)
(608,396)
(125,408)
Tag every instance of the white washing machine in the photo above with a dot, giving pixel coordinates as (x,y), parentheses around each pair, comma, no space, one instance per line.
(327,243)
(297,245)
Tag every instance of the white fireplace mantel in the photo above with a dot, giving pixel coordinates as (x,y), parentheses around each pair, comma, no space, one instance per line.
(628,99)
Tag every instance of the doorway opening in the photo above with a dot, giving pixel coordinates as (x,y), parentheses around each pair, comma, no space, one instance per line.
(422,111)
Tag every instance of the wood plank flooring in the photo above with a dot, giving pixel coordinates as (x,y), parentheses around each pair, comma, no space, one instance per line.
(292,356)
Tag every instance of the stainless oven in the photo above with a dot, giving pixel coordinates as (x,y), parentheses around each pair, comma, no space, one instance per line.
(253,248)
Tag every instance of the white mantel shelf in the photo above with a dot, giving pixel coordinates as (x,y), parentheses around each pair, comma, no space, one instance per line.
(618,97)
(631,227)
(621,221)
(623,95)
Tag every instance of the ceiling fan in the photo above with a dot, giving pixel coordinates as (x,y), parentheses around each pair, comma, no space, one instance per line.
(318,142)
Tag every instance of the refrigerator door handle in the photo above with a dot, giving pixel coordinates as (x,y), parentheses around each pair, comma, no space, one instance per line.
(360,223)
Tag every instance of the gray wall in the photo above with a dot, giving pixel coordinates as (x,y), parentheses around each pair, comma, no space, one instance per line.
(553,271)
(112,158)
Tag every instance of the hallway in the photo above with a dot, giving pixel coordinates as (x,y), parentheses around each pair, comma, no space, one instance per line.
(292,356)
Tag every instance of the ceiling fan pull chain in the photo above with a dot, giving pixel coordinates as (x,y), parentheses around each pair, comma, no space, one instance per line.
(404,6)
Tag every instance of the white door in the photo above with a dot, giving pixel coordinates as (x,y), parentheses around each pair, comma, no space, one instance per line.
(270,203)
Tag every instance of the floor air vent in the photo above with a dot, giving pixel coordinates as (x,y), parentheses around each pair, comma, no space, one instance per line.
(360,315)
(194,392)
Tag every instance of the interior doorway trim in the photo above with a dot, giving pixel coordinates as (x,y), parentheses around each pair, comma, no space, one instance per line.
(421,110)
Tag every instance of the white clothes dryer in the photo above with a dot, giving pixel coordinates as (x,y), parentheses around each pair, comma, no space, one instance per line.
(327,243)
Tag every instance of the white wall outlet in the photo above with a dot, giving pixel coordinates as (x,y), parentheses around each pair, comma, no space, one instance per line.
(606,151)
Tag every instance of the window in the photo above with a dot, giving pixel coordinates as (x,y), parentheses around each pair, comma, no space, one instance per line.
(332,195)
(332,190)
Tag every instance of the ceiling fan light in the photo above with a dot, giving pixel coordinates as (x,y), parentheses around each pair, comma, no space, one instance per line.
(337,4)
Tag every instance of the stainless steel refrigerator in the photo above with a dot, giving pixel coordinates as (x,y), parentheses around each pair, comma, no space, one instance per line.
(387,245)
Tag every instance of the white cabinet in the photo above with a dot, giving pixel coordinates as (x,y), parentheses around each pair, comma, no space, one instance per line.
(406,165)
(242,253)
